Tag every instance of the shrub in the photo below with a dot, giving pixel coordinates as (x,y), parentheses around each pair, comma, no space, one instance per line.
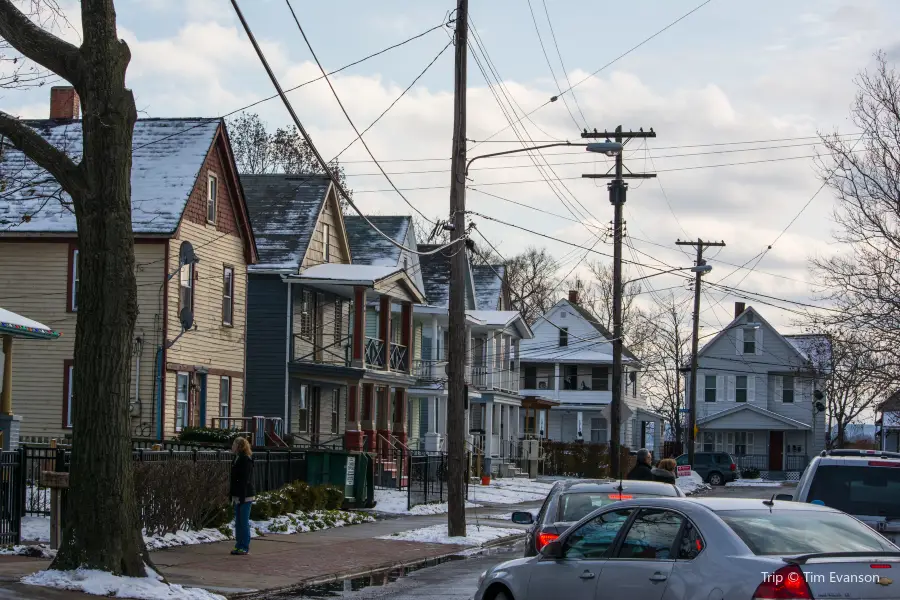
(176,494)
(207,435)
(750,473)
(316,498)
(262,508)
(333,497)
(299,493)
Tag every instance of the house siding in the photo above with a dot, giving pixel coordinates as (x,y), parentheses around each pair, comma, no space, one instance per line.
(337,243)
(267,331)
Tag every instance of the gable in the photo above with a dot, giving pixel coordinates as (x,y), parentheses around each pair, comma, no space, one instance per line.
(773,350)
(330,220)
(749,417)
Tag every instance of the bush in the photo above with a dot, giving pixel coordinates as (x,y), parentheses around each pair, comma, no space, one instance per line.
(316,498)
(175,494)
(207,435)
(334,497)
(262,508)
(750,473)
(299,494)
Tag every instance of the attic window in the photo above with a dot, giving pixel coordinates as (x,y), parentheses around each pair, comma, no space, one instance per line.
(326,242)
(562,315)
(563,336)
(212,195)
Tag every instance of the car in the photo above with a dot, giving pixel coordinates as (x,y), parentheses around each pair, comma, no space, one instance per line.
(569,501)
(863,483)
(690,548)
(716,468)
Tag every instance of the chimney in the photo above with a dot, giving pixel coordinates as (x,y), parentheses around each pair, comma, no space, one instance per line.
(64,103)
(739,308)
(573,296)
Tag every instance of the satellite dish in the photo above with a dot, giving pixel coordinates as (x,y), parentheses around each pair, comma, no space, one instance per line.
(187,318)
(186,254)
(818,395)
(820,406)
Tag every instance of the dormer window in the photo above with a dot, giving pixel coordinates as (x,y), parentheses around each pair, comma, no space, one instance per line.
(212,197)
(749,341)
(563,336)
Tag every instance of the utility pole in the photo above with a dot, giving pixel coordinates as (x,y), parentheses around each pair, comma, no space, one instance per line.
(456,402)
(617,192)
(700,246)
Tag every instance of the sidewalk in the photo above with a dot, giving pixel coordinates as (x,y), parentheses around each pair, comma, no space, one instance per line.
(279,562)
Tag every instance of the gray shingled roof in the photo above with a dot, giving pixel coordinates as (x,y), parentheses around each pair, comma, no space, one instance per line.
(488,286)
(592,319)
(436,274)
(283,212)
(168,156)
(368,247)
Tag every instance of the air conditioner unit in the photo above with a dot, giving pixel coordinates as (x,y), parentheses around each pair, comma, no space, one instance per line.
(531,449)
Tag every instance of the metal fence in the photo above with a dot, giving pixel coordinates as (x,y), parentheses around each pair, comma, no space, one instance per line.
(11,507)
(427,478)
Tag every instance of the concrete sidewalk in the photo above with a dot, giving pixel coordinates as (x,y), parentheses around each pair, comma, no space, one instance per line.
(279,562)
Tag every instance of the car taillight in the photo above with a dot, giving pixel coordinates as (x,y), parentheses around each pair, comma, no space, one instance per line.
(880,566)
(545,538)
(883,463)
(786,582)
(620,497)
(733,467)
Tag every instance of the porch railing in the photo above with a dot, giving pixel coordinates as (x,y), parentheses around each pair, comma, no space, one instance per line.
(435,370)
(399,358)
(760,462)
(375,353)
(306,349)
(487,378)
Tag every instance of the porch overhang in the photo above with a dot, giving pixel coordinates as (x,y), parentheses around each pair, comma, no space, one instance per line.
(389,378)
(17,326)
(438,390)
(538,403)
(340,279)
(749,417)
(501,398)
(324,373)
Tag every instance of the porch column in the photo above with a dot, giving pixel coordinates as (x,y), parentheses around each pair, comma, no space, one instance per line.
(6,390)
(384,420)
(399,416)
(556,380)
(507,430)
(359,327)
(406,333)
(517,368)
(353,435)
(434,350)
(432,437)
(488,436)
(368,415)
(507,357)
(384,318)
(470,360)
(518,434)
(488,360)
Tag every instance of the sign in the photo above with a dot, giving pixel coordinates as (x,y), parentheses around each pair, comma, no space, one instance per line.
(684,410)
(696,431)
(683,470)
(351,476)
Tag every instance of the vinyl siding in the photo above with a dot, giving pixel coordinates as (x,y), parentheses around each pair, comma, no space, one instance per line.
(330,215)
(267,330)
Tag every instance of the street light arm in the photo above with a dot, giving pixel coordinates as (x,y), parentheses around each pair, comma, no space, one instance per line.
(473,159)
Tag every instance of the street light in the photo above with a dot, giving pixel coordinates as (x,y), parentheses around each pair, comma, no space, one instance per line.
(607,147)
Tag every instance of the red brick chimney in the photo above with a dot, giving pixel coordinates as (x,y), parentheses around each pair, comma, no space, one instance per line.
(573,296)
(64,103)
(739,308)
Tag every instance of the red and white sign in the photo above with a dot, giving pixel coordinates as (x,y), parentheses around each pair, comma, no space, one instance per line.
(683,470)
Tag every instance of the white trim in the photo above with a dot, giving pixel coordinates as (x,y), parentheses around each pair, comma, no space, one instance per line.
(187,400)
(212,176)
(74,303)
(720,388)
(751,387)
(732,387)
(778,388)
(230,322)
(759,341)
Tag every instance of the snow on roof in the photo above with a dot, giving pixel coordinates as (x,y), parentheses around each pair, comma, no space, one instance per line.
(494,318)
(167,157)
(284,210)
(349,273)
(815,347)
(488,286)
(369,247)
(436,274)
(14,323)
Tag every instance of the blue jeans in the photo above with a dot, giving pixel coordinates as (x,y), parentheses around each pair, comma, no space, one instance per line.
(242,525)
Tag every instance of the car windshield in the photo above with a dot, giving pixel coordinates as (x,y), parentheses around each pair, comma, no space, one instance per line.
(858,490)
(802,532)
(575,506)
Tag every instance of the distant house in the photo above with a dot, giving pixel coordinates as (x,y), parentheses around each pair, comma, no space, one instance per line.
(756,395)
(887,432)
(184,191)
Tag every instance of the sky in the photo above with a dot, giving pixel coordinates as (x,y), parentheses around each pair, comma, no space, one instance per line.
(732,74)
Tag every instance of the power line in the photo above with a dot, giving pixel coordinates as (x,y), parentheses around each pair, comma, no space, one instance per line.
(562,64)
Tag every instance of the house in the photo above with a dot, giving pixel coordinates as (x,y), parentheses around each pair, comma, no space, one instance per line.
(568,368)
(887,432)
(185,195)
(329,340)
(758,396)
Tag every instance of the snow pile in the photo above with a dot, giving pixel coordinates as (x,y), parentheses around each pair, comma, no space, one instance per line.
(100,583)
(752,483)
(301,522)
(509,491)
(395,502)
(36,529)
(692,484)
(437,534)
(39,551)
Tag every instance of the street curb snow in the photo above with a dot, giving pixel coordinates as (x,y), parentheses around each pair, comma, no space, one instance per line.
(341,576)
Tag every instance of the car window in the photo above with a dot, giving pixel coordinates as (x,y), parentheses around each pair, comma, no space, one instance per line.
(543,511)
(802,532)
(576,506)
(702,459)
(594,539)
(652,535)
(691,543)
(858,490)
(681,460)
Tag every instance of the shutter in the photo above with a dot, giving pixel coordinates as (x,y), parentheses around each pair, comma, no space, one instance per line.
(779,388)
(731,388)
(759,341)
(720,388)
(751,388)
(701,388)
(739,340)
(799,389)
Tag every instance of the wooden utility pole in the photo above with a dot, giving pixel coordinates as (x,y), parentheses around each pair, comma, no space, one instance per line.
(617,192)
(700,245)
(456,402)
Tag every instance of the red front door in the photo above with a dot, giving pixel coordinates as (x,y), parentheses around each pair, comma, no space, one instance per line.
(776,450)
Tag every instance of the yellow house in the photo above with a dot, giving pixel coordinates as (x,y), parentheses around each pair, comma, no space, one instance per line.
(186,201)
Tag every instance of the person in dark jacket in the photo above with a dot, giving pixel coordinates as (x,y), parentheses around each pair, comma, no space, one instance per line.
(242,493)
(642,470)
(665,471)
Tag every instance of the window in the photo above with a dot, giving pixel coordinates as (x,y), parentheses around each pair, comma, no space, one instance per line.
(594,539)
(651,536)
(787,392)
(570,377)
(709,393)
(563,336)
(212,196)
(186,286)
(225,397)
(68,392)
(858,490)
(749,341)
(530,422)
(600,379)
(228,296)
(306,314)
(691,542)
(530,378)
(338,321)
(302,393)
(182,385)
(335,410)
(326,242)
(598,430)
(575,506)
(740,388)
(73,280)
(743,443)
(709,443)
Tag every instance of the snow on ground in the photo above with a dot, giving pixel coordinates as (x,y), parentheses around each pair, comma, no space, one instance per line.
(692,484)
(500,491)
(395,502)
(99,583)
(437,534)
(752,483)
(36,529)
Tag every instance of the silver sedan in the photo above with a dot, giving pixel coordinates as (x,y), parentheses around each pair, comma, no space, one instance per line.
(707,548)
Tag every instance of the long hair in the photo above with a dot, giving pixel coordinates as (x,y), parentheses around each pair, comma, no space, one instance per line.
(668,464)
(242,446)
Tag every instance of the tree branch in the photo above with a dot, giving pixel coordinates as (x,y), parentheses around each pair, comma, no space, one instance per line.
(43,153)
(39,45)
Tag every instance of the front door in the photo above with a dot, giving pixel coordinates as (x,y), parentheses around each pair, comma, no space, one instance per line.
(776,450)
(315,413)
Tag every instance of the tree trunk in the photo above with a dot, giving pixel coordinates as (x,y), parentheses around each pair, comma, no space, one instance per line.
(103,529)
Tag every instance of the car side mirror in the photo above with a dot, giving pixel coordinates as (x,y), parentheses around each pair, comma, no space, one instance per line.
(523,518)
(553,550)
(784,497)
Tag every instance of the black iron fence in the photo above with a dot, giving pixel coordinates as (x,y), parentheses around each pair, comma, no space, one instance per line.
(11,501)
(427,478)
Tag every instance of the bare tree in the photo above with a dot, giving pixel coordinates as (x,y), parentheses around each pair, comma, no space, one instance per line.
(101,472)
(428,233)
(532,282)
(597,294)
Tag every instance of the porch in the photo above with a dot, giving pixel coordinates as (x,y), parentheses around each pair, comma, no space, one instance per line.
(496,428)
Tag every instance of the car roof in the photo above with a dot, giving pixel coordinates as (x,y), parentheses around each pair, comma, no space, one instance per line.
(723,504)
(638,487)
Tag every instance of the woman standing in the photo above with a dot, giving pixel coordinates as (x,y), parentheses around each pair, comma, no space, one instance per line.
(665,471)
(242,493)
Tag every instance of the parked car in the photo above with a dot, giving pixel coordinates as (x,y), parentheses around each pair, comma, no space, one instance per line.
(570,501)
(863,483)
(688,548)
(716,468)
